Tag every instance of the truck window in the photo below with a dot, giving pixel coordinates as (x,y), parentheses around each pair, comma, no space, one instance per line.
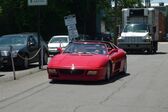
(136,28)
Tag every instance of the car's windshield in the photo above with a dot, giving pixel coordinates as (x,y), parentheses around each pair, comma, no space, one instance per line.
(86,48)
(59,39)
(12,40)
(136,28)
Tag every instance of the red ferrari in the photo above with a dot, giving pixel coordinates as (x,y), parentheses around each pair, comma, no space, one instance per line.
(88,61)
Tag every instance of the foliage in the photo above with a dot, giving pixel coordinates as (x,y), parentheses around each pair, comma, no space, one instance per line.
(112,15)
(130,3)
(16,16)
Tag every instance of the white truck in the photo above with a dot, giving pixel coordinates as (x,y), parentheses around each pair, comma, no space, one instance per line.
(139,30)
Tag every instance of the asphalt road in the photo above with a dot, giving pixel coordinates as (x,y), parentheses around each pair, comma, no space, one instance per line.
(143,89)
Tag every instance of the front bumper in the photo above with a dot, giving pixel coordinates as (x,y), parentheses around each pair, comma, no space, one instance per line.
(80,75)
(136,46)
(6,61)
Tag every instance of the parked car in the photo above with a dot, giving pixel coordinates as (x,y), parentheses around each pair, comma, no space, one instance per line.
(88,61)
(59,41)
(25,49)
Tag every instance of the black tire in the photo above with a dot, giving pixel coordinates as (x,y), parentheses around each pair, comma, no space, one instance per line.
(45,58)
(108,72)
(154,51)
(150,51)
(125,67)
(26,62)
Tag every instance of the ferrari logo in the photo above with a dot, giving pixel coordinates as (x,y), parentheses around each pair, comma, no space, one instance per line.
(73,67)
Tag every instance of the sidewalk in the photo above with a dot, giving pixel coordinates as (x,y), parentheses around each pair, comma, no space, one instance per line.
(6,76)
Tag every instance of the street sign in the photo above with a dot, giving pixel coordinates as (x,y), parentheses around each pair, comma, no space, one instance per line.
(37,2)
(72,31)
(69,20)
(71,27)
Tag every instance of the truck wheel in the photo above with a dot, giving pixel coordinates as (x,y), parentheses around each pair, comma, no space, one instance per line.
(150,51)
(154,51)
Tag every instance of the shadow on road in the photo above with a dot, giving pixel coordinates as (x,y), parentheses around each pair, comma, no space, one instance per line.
(144,53)
(161,53)
(112,80)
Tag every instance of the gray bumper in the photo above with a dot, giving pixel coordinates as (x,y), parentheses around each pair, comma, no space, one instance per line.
(135,46)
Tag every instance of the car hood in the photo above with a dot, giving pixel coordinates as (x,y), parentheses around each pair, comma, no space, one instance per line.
(57,44)
(7,48)
(82,61)
(133,34)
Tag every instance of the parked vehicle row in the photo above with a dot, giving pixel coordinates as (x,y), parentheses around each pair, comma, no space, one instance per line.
(77,60)
(23,48)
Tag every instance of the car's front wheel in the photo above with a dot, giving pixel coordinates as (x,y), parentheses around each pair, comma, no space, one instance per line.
(125,67)
(26,62)
(45,58)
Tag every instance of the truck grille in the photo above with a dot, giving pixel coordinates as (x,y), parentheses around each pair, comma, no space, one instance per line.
(133,39)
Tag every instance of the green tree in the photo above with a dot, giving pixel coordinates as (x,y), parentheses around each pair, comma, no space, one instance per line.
(130,3)
(16,16)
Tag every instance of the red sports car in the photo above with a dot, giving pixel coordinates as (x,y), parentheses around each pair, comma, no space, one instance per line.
(88,61)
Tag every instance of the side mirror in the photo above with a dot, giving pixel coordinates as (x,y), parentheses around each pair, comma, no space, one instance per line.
(59,49)
(31,44)
(113,51)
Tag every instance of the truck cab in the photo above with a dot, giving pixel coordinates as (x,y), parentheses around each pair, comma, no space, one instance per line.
(138,32)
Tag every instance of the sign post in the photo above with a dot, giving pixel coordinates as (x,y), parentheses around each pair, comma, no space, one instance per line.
(38,3)
(12,61)
(70,22)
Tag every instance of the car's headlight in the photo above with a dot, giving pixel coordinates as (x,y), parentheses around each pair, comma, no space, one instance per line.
(92,72)
(52,71)
(15,53)
(147,39)
(120,39)
(4,53)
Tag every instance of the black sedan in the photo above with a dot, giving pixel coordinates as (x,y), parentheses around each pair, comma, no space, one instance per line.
(23,48)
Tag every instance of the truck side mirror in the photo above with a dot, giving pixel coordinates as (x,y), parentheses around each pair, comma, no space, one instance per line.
(154,29)
(118,29)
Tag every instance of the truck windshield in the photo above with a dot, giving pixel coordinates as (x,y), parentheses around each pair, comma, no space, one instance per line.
(136,28)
